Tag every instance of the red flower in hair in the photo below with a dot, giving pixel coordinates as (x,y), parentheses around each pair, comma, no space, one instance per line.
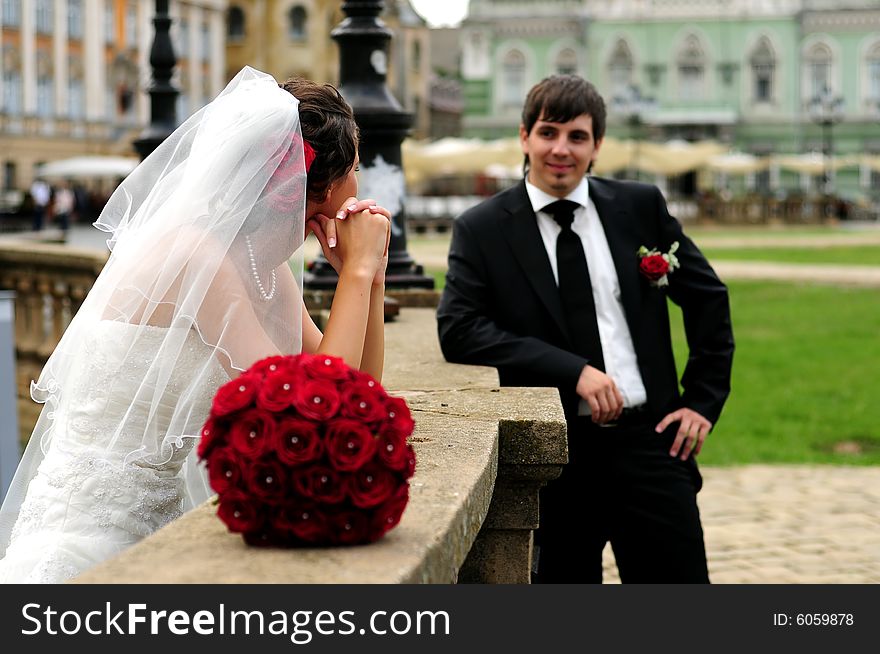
(309,154)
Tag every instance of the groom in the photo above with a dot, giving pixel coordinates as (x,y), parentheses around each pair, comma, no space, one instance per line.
(553,282)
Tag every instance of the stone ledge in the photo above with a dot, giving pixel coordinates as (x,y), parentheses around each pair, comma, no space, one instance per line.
(449,499)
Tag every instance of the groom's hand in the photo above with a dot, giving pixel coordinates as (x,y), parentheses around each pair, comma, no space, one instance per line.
(601,393)
(692,431)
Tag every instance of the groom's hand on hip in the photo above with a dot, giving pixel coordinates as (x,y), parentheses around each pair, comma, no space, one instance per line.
(601,393)
(692,431)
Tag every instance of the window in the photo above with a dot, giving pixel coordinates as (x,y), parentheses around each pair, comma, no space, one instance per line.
(206,42)
(513,79)
(296,29)
(76,99)
(74,19)
(566,62)
(691,70)
(44,16)
(183,38)
(45,97)
(819,69)
(11,13)
(763,64)
(12,92)
(9,174)
(109,23)
(873,70)
(620,69)
(110,100)
(131,25)
(235,24)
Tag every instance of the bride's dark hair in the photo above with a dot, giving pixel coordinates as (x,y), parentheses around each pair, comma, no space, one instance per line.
(328,125)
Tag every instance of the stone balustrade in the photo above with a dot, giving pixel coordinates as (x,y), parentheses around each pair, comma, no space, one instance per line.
(50,282)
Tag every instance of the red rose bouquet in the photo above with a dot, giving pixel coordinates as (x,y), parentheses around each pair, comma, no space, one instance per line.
(304,450)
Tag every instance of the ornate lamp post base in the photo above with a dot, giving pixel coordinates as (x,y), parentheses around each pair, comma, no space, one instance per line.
(363,52)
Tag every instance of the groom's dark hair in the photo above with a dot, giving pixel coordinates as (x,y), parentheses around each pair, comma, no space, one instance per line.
(328,125)
(561,98)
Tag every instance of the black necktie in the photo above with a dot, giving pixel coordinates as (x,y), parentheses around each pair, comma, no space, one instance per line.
(575,289)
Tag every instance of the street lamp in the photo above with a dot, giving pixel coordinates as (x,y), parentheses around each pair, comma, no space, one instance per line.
(634,106)
(163,95)
(825,109)
(363,61)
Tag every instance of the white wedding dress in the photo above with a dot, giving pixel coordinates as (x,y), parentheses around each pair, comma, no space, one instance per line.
(88,502)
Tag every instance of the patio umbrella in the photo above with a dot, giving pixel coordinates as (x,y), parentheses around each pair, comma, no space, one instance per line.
(88,167)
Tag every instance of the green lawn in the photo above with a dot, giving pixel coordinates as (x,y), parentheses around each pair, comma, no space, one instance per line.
(805,378)
(806,375)
(841,255)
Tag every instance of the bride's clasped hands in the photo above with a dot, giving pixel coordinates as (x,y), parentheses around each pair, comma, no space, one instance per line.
(355,242)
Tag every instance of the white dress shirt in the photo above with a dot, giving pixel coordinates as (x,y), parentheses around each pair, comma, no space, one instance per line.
(618,351)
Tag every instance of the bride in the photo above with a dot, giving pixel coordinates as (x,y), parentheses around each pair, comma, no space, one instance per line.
(204,279)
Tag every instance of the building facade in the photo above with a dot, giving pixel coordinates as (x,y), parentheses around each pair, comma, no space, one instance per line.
(74,74)
(764,76)
(288,38)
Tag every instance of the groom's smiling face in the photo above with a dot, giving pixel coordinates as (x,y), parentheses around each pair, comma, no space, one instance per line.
(559,153)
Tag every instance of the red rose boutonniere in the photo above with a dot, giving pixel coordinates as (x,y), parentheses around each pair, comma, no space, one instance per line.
(655,266)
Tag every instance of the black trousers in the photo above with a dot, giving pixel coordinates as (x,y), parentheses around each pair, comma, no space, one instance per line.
(621,485)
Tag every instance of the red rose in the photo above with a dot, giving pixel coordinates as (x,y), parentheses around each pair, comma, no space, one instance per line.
(654,266)
(239,512)
(320,483)
(252,433)
(269,365)
(387,515)
(362,402)
(348,527)
(213,434)
(301,521)
(224,471)
(371,485)
(266,479)
(317,399)
(277,390)
(235,395)
(363,378)
(398,421)
(349,444)
(324,366)
(392,451)
(297,441)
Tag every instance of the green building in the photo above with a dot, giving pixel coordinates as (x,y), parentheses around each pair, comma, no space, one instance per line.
(762,76)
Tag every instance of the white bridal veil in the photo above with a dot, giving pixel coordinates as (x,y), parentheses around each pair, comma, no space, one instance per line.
(206,239)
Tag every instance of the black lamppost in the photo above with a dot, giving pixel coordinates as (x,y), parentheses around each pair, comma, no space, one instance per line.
(363,58)
(163,95)
(634,106)
(826,109)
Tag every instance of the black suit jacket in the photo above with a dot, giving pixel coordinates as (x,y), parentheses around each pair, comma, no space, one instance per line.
(501,306)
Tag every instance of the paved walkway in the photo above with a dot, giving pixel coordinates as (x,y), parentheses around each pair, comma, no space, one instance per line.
(789,524)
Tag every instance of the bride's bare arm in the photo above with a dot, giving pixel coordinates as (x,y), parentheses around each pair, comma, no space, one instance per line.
(354,330)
